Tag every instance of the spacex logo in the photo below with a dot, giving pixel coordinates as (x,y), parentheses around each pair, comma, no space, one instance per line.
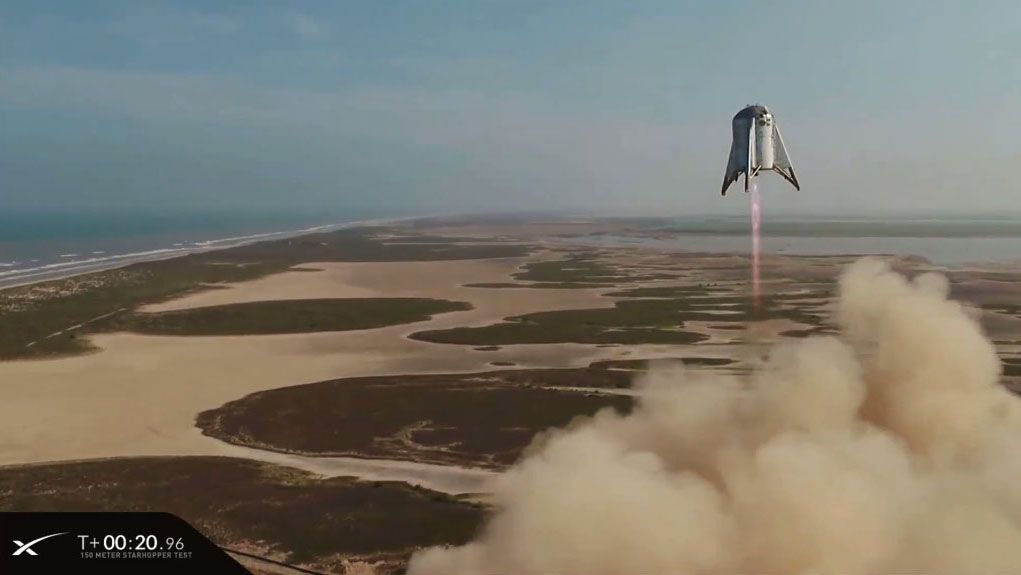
(26,548)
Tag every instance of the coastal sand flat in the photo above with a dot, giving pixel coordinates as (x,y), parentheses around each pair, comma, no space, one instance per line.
(140,394)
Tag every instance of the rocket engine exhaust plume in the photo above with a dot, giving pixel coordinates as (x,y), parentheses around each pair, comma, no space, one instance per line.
(756,211)
(891,448)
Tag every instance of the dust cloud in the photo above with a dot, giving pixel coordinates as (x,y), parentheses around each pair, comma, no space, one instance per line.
(889,449)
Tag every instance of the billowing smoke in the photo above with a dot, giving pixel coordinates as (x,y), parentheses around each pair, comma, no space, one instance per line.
(889,449)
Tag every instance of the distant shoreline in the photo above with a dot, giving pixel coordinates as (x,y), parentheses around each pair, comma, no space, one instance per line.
(58,271)
(964,242)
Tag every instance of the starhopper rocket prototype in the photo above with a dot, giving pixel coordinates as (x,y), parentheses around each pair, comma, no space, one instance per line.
(757,146)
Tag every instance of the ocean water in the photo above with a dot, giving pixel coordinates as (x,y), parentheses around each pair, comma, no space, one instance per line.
(41,245)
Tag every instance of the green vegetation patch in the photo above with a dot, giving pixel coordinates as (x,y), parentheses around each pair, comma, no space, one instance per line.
(406,238)
(662,291)
(806,332)
(537,285)
(580,268)
(476,419)
(285,316)
(1011,366)
(576,271)
(630,321)
(1004,308)
(643,364)
(297,515)
(517,332)
(704,295)
(362,245)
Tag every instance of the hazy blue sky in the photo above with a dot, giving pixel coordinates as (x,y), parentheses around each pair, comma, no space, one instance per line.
(476,105)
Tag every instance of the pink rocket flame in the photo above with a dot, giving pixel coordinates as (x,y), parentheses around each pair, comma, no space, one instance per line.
(753,197)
